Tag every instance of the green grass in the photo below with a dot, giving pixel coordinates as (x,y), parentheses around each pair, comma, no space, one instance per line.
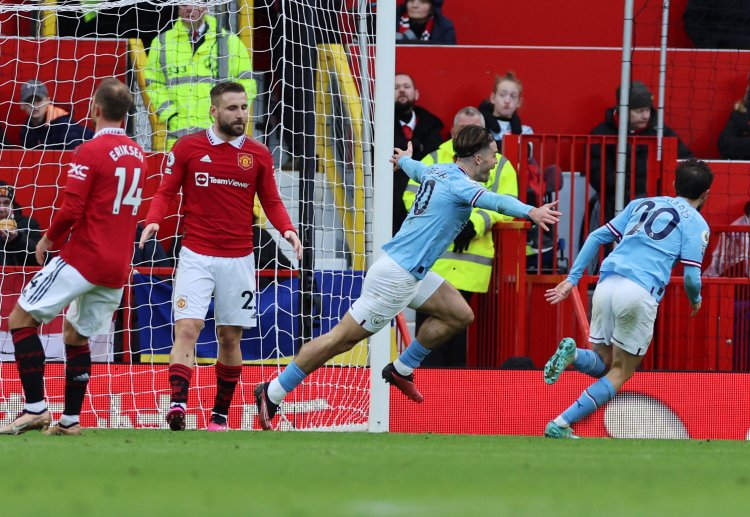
(350,474)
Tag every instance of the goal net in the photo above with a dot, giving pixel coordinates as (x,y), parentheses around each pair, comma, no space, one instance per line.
(309,66)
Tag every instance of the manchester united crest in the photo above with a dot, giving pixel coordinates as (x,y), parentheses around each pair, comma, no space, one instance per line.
(245,161)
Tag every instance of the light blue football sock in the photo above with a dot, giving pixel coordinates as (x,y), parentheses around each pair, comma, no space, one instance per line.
(588,362)
(291,377)
(412,357)
(593,397)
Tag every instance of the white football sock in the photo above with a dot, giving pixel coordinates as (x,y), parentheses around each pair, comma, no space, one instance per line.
(402,368)
(275,392)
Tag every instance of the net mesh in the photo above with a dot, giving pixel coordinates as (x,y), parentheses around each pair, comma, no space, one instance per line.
(304,60)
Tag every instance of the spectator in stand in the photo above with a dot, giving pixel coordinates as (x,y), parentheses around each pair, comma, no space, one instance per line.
(642,122)
(718,23)
(422,21)
(183,66)
(734,141)
(49,126)
(467,263)
(412,124)
(18,233)
(501,109)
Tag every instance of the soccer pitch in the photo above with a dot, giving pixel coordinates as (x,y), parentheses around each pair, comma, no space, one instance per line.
(126,472)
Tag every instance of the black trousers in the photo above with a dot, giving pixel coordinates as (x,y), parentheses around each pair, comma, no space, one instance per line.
(452,353)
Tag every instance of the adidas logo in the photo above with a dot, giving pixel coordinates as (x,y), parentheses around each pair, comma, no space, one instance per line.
(206,159)
(84,377)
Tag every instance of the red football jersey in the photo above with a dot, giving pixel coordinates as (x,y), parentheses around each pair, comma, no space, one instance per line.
(219,181)
(102,195)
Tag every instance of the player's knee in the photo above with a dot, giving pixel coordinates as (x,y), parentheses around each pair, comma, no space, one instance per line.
(464,317)
(187,330)
(72,337)
(19,319)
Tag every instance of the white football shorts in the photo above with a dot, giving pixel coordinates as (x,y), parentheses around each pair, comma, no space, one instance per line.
(622,314)
(57,285)
(387,290)
(231,281)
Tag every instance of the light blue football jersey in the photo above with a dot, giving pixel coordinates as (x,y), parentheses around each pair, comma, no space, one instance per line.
(653,234)
(441,208)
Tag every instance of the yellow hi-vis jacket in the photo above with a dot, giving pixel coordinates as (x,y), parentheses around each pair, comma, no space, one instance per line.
(471,270)
(179,81)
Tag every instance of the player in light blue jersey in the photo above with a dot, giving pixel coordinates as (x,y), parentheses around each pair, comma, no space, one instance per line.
(401,277)
(653,234)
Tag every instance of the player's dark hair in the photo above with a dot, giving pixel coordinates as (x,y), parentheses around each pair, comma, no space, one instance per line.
(225,87)
(470,140)
(692,178)
(114,99)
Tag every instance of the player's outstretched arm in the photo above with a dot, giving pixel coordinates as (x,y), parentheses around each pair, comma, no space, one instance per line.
(148,231)
(545,214)
(559,292)
(292,238)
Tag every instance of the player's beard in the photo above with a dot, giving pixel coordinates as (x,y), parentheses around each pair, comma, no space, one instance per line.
(232,129)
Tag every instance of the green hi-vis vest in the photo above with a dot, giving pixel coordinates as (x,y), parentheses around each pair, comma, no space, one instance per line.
(179,81)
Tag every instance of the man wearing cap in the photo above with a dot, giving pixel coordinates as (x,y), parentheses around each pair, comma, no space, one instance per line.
(49,126)
(18,233)
(642,122)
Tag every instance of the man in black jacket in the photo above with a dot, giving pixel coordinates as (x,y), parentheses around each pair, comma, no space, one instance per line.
(49,126)
(18,233)
(642,122)
(411,124)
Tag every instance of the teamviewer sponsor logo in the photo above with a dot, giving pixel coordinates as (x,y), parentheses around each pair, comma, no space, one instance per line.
(202,179)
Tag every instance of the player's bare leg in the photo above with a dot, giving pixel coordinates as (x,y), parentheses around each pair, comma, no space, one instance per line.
(312,355)
(448,314)
(77,373)
(181,361)
(624,365)
(30,362)
(228,371)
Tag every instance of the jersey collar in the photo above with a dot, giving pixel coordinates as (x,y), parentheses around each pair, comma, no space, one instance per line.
(110,131)
(215,140)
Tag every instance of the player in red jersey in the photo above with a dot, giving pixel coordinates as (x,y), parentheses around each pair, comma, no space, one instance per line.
(219,170)
(98,214)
